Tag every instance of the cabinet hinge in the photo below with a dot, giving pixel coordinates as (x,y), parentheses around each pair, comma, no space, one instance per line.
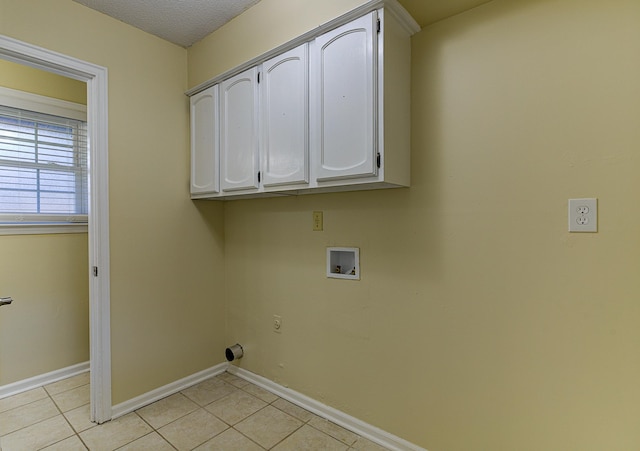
(378,26)
(258,176)
(378,160)
(95,271)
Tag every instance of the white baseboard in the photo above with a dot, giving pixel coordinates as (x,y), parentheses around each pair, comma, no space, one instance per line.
(355,425)
(167,390)
(43,379)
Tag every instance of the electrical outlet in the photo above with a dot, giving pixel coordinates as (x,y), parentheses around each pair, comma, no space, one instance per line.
(583,215)
(582,210)
(277,323)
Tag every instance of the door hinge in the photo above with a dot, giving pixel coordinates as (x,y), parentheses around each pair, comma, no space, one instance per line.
(95,271)
(378,26)
(258,176)
(378,160)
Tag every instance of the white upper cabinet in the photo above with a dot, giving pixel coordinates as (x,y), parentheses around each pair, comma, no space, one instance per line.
(239,132)
(328,111)
(284,118)
(345,100)
(205,142)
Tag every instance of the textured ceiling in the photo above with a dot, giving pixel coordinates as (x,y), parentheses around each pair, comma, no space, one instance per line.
(182,22)
(185,22)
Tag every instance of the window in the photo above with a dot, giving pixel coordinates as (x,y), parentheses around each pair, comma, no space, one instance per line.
(43,163)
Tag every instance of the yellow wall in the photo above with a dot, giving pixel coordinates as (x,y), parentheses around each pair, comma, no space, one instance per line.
(47,327)
(479,322)
(25,78)
(259,29)
(167,312)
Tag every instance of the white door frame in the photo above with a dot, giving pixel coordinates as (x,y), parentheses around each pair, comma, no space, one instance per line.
(99,276)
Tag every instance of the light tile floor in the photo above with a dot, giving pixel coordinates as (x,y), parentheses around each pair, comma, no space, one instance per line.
(221,413)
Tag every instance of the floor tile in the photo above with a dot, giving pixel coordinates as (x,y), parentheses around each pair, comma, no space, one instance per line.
(335,431)
(268,426)
(38,436)
(312,439)
(68,384)
(362,444)
(80,418)
(167,410)
(293,410)
(233,380)
(192,430)
(150,442)
(116,433)
(208,391)
(24,416)
(235,407)
(70,399)
(229,440)
(261,393)
(221,413)
(22,398)
(211,383)
(73,443)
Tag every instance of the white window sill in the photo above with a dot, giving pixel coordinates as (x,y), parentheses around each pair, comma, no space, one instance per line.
(41,229)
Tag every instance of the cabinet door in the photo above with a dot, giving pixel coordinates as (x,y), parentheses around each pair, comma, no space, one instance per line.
(204,142)
(285,118)
(346,101)
(239,131)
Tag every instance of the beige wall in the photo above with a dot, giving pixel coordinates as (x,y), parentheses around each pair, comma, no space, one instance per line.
(25,78)
(479,322)
(167,269)
(47,327)
(259,29)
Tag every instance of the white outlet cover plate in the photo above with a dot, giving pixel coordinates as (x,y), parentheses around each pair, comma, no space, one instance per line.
(583,215)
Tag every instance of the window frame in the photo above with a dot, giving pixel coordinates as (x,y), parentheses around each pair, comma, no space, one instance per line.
(27,224)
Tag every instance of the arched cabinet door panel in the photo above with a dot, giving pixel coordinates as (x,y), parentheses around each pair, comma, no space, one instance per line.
(345,100)
(205,142)
(284,88)
(239,132)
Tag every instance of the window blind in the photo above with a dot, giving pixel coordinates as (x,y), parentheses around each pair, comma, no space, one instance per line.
(43,167)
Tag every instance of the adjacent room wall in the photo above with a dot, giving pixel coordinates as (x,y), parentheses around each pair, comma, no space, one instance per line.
(47,327)
(479,322)
(167,274)
(36,81)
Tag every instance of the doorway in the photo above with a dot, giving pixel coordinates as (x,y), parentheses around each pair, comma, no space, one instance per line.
(95,78)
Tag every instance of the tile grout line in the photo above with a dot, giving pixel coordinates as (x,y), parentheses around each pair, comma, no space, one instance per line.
(232,426)
(42,420)
(152,431)
(200,407)
(76,433)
